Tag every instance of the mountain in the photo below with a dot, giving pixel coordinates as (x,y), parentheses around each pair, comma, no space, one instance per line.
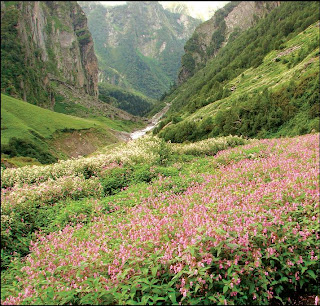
(138,45)
(45,44)
(226,24)
(264,83)
(48,59)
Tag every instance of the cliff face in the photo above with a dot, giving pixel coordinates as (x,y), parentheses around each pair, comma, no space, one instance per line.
(139,45)
(210,36)
(53,45)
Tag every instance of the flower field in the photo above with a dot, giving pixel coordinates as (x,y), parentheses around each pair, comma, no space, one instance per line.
(225,221)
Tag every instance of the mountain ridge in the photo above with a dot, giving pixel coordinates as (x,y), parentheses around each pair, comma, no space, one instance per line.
(138,45)
(226,24)
(51,46)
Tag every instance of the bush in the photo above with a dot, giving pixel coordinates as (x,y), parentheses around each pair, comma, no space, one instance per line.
(115,180)
(24,147)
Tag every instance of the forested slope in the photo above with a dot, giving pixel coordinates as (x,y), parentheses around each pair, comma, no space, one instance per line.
(263,84)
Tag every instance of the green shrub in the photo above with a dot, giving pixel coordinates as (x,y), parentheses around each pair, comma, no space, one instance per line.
(23,147)
(115,180)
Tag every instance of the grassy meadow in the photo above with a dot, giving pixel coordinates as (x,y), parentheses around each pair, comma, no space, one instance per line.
(220,221)
(34,135)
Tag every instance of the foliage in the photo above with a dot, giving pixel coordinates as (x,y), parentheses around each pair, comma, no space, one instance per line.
(36,128)
(129,101)
(43,188)
(246,51)
(266,113)
(220,229)
(209,146)
(276,98)
(22,147)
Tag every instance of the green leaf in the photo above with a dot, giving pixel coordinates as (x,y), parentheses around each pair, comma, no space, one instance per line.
(144,299)
(225,289)
(132,302)
(154,271)
(278,298)
(156,290)
(252,288)
(219,250)
(311,273)
(197,288)
(144,287)
(283,279)
(232,245)
(301,282)
(172,297)
(145,280)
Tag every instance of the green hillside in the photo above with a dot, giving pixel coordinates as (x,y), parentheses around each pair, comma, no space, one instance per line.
(28,130)
(128,100)
(263,84)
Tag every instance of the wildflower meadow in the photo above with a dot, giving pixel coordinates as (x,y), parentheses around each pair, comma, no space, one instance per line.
(223,221)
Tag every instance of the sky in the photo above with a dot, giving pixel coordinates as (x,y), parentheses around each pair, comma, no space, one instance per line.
(197,9)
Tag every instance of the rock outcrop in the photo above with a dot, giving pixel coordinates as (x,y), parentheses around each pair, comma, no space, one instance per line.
(52,40)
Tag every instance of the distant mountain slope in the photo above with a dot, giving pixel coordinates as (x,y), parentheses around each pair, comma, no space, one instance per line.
(138,45)
(263,84)
(43,44)
(128,100)
(226,24)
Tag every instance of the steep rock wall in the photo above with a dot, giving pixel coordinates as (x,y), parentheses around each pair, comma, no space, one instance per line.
(55,45)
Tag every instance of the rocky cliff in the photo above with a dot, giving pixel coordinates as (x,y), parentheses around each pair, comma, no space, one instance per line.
(139,45)
(226,24)
(46,44)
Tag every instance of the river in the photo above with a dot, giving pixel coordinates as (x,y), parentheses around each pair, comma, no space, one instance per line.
(154,121)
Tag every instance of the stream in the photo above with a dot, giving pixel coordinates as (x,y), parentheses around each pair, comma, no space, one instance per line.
(154,121)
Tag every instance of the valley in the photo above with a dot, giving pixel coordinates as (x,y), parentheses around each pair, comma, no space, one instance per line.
(148,157)
(154,122)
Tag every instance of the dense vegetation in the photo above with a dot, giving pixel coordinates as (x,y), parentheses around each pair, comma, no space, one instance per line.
(121,62)
(264,83)
(128,100)
(209,212)
(153,222)
(20,75)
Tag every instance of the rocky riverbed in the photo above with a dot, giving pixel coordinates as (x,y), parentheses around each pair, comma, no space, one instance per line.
(153,122)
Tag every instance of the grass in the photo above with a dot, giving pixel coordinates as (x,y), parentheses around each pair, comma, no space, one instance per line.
(269,74)
(52,130)
(23,120)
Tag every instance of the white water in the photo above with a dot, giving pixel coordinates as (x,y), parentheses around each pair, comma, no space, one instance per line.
(154,121)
